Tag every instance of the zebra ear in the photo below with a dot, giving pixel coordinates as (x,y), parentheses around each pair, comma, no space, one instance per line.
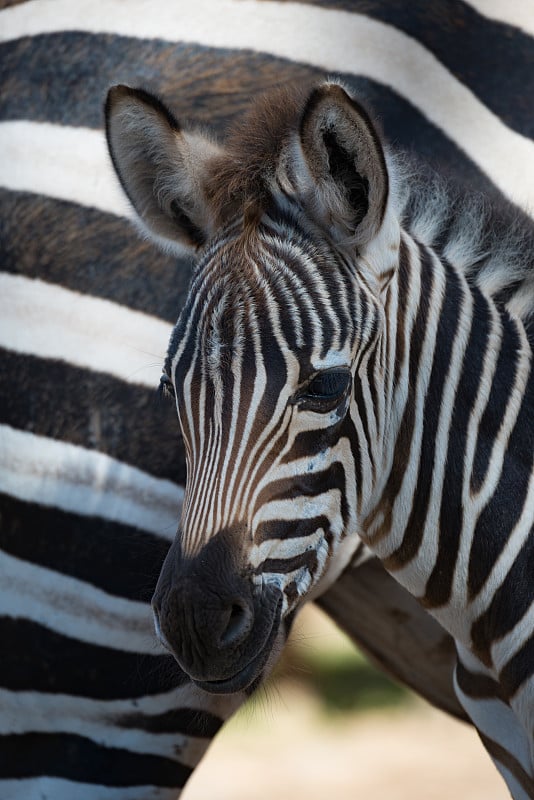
(346,182)
(160,167)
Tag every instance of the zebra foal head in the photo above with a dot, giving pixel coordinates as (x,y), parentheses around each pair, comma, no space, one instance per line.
(295,244)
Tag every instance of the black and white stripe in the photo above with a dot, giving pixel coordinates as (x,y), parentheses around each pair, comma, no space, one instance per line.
(354,360)
(91,465)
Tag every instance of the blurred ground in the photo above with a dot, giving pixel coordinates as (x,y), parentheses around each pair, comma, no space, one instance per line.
(293,754)
(331,728)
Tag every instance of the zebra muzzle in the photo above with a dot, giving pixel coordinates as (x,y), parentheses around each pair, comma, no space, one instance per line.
(219,627)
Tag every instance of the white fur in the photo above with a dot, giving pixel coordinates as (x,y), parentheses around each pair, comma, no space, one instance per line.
(48,321)
(62,162)
(95,719)
(519,13)
(64,476)
(74,608)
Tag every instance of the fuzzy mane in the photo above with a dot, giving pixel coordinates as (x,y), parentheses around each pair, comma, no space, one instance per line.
(242,176)
(491,240)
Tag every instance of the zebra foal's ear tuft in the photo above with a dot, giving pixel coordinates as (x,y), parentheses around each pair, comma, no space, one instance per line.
(346,188)
(161,167)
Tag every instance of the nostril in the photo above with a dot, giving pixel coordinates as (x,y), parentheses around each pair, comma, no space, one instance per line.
(238,623)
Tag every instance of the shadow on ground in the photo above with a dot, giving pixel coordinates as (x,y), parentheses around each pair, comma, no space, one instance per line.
(346,685)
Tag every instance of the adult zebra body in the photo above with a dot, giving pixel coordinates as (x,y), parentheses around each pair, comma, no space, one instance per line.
(353,362)
(89,468)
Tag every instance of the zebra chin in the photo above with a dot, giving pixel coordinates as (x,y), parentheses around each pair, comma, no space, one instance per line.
(255,672)
(224,631)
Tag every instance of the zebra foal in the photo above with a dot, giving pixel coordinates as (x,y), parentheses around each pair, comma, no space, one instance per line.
(353,364)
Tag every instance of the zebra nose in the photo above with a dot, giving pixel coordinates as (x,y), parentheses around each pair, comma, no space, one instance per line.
(194,625)
(237,621)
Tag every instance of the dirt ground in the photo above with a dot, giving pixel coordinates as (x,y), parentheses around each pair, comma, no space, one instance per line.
(291,751)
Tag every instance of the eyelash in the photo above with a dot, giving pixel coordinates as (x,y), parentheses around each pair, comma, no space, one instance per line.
(325,391)
(166,386)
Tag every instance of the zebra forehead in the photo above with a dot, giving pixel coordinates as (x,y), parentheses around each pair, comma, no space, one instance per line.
(264,292)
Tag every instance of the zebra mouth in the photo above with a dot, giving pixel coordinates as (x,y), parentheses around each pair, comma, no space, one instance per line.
(251,674)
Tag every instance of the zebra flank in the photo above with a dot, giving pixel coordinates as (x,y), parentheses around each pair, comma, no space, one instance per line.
(283,375)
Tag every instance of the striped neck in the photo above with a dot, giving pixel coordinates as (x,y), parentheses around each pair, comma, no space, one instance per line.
(459,443)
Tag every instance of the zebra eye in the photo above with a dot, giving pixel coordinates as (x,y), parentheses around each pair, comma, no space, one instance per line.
(166,386)
(325,390)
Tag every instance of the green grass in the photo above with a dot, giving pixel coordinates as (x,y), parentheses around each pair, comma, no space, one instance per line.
(348,683)
(342,681)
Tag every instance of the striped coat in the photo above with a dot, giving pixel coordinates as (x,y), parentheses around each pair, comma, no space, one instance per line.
(91,465)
